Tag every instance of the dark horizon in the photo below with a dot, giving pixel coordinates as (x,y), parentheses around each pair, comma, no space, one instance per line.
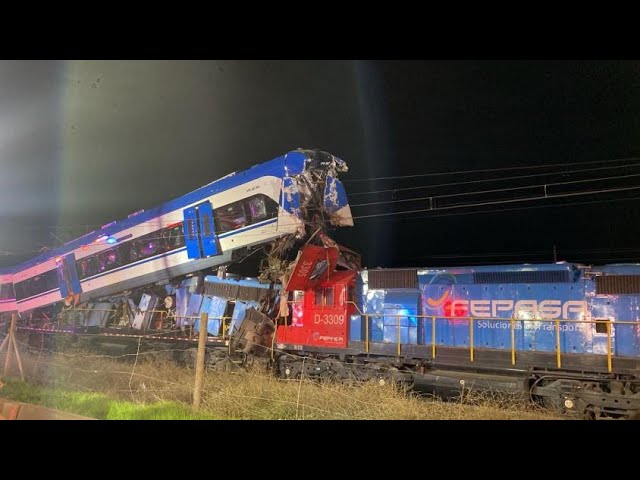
(86,143)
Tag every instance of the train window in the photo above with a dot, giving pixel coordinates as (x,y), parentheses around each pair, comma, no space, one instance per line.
(324,297)
(230,217)
(19,289)
(601,326)
(149,247)
(173,237)
(256,209)
(297,309)
(38,284)
(352,293)
(6,291)
(51,280)
(319,269)
(83,268)
(108,260)
(124,253)
(33,286)
(206,223)
(135,253)
(145,246)
(328,296)
(298,296)
(128,252)
(87,266)
(247,212)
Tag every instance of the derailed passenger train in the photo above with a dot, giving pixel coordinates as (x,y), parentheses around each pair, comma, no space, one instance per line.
(270,204)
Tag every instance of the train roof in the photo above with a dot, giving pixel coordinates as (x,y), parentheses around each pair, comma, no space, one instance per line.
(292,163)
(618,269)
(522,267)
(488,273)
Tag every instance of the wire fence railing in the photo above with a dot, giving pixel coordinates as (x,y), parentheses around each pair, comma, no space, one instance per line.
(429,325)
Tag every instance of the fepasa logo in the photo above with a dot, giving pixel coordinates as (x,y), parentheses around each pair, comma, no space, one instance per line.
(439,289)
(545,309)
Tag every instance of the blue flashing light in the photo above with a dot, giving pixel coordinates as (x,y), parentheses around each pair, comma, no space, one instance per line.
(111,240)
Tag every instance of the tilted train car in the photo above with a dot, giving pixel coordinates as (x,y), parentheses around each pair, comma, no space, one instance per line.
(563,333)
(213,225)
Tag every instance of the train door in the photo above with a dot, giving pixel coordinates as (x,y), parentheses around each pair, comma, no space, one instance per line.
(68,276)
(199,231)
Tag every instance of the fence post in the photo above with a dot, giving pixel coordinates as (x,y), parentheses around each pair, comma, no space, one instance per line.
(513,342)
(609,367)
(9,344)
(471,339)
(433,337)
(366,333)
(12,347)
(558,360)
(202,342)
(398,333)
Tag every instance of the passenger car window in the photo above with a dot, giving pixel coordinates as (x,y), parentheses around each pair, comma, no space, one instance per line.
(256,209)
(231,217)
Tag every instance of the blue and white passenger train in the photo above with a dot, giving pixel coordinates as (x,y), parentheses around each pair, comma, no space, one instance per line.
(208,227)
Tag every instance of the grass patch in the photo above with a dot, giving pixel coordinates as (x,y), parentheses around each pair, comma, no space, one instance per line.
(151,388)
(97,405)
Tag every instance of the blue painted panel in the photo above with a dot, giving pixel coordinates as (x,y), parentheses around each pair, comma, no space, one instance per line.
(193,309)
(294,162)
(356,328)
(216,312)
(204,308)
(623,308)
(400,308)
(182,304)
(190,229)
(215,308)
(291,197)
(239,313)
(62,279)
(335,196)
(207,230)
(72,274)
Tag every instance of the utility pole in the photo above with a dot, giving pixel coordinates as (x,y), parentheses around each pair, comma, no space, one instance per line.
(202,344)
(10,344)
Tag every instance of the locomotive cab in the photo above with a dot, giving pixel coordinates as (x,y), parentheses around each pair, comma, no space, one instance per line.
(319,316)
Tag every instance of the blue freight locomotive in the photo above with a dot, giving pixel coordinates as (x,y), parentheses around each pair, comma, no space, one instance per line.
(564,333)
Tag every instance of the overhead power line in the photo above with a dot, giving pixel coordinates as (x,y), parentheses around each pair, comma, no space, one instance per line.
(484,170)
(620,251)
(523,187)
(498,202)
(500,210)
(485,180)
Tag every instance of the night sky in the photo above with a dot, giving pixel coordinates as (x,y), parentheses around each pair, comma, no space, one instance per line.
(83,143)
